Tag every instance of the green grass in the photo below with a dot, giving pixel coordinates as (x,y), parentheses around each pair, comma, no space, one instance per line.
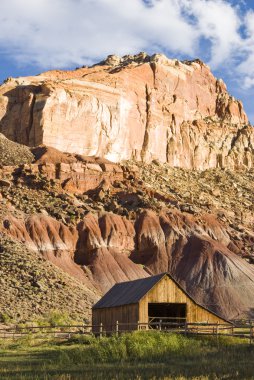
(139,355)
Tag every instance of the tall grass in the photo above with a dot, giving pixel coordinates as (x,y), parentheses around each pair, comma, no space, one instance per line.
(138,355)
(149,347)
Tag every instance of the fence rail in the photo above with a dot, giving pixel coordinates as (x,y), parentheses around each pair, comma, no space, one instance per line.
(243,330)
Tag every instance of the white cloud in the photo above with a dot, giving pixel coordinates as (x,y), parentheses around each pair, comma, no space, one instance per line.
(246,67)
(78,29)
(218,22)
(248,82)
(61,33)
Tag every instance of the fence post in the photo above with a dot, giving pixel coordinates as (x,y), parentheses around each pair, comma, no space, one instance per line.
(251,333)
(101,329)
(160,324)
(117,328)
(185,328)
(217,333)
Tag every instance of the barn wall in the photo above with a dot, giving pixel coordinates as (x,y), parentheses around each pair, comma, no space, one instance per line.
(126,314)
(167,290)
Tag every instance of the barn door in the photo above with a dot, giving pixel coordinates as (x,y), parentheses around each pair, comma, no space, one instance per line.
(167,314)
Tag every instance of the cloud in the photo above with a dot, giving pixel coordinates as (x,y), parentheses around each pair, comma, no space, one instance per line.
(63,33)
(246,67)
(218,22)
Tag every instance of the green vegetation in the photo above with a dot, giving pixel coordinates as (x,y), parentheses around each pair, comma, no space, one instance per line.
(56,318)
(53,318)
(4,318)
(139,355)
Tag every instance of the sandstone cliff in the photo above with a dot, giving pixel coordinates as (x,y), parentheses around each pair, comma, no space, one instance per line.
(136,107)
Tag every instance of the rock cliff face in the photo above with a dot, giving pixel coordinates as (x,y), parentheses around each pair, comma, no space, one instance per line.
(136,107)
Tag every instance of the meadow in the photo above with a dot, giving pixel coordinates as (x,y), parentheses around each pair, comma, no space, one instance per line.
(137,355)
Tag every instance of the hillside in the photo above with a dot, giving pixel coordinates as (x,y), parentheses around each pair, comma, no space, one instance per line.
(133,220)
(135,196)
(31,287)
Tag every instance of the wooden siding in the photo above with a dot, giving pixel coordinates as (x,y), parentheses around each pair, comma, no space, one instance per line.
(167,291)
(128,314)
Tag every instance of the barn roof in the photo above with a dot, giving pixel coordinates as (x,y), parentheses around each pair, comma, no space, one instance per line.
(125,293)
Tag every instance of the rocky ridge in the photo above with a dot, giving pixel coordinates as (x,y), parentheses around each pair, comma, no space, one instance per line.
(136,107)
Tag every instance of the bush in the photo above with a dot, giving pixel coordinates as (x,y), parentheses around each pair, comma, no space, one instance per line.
(81,339)
(55,318)
(4,318)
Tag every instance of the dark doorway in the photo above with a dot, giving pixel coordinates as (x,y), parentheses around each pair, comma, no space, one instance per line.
(166,313)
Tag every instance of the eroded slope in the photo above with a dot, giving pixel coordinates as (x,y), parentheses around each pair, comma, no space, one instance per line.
(118,222)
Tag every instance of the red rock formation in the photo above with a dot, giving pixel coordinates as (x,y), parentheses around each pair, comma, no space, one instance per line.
(104,245)
(107,248)
(97,251)
(49,238)
(196,252)
(216,277)
(135,107)
(74,175)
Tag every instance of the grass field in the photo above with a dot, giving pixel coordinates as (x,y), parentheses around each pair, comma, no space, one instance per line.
(139,355)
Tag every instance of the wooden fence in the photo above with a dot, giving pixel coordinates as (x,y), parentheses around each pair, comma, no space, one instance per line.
(245,329)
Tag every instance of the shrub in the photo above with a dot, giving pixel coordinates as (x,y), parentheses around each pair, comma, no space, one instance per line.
(5,318)
(56,318)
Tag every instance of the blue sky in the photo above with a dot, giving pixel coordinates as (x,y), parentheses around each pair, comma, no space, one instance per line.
(37,35)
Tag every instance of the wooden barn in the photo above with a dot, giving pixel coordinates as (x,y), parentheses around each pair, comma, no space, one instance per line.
(147,300)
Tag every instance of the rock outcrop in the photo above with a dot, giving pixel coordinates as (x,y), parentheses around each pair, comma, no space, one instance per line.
(142,107)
